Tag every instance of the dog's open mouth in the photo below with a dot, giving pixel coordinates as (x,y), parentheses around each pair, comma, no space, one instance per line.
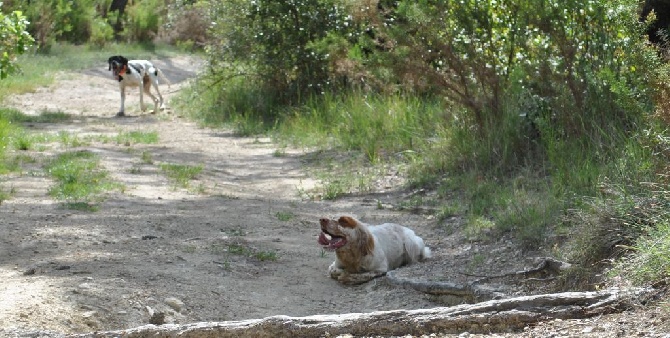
(334,243)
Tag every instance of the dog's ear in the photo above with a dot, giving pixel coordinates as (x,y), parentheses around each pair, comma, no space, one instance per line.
(123,60)
(365,242)
(347,222)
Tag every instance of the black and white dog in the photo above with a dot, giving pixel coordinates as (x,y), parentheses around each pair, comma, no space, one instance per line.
(137,73)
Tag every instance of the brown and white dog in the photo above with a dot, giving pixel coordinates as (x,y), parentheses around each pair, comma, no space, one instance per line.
(137,73)
(368,251)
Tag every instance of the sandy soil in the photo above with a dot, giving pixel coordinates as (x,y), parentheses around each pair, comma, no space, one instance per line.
(197,254)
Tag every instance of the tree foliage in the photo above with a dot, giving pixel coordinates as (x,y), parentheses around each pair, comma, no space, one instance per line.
(98,22)
(15,41)
(274,40)
(553,58)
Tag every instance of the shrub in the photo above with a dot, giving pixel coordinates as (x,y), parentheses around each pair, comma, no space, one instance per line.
(15,41)
(143,20)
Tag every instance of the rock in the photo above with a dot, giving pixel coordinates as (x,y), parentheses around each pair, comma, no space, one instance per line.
(158,318)
(174,303)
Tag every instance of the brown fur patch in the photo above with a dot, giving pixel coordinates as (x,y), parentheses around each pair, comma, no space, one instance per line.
(347,222)
(366,242)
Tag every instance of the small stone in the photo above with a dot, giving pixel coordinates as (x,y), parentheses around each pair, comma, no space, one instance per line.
(174,303)
(88,314)
(158,318)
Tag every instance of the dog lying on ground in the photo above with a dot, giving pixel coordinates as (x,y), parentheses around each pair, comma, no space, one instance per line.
(368,251)
(137,73)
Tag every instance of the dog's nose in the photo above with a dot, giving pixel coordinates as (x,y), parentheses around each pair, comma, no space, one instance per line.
(323,221)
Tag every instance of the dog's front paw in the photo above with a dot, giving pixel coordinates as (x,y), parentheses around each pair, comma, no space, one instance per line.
(120,114)
(334,271)
(353,278)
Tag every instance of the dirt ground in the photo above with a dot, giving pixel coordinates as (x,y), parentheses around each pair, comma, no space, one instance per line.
(240,246)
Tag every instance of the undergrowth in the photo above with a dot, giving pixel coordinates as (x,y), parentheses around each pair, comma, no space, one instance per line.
(524,178)
(79,179)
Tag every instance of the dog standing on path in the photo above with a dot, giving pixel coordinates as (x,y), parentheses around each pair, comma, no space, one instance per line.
(137,73)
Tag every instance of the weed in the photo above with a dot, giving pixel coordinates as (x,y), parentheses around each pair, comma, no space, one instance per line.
(334,189)
(135,169)
(279,153)
(70,140)
(133,137)
(284,216)
(16,116)
(147,158)
(5,195)
(478,227)
(181,174)
(477,261)
(266,256)
(23,142)
(263,255)
(78,178)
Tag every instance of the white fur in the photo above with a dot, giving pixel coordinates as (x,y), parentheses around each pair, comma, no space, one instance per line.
(393,246)
(143,74)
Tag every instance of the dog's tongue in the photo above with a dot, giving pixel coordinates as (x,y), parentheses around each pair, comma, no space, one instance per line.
(333,243)
(323,240)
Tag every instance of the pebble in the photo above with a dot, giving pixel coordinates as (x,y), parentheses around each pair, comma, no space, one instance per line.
(174,303)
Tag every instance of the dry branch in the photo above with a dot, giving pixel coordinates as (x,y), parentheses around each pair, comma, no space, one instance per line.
(485,317)
(474,290)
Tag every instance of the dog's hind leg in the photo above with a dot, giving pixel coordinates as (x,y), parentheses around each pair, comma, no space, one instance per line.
(154,82)
(142,105)
(146,85)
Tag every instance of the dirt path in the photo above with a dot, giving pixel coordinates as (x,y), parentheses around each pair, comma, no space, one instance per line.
(241,245)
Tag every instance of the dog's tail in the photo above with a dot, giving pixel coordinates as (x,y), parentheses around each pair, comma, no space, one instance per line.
(426,253)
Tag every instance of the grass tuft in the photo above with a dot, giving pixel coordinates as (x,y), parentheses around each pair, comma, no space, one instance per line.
(79,179)
(181,174)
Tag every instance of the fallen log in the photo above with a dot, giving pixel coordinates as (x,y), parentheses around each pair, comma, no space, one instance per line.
(503,315)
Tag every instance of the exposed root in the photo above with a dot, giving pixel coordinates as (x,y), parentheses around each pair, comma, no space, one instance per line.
(491,316)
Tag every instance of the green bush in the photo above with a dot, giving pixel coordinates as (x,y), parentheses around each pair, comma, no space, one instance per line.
(15,41)
(143,20)
(272,44)
(101,32)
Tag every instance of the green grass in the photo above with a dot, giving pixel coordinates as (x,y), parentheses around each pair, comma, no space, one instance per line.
(262,255)
(137,137)
(147,158)
(537,171)
(8,132)
(181,174)
(16,116)
(650,258)
(79,179)
(5,193)
(377,126)
(284,216)
(39,70)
